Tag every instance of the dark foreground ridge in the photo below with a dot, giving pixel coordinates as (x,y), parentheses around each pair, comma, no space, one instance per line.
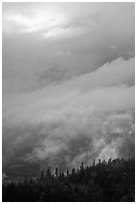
(110,181)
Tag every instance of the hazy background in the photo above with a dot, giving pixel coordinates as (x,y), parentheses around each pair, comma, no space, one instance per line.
(68,84)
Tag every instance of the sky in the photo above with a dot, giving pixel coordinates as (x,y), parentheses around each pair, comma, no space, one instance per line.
(68,84)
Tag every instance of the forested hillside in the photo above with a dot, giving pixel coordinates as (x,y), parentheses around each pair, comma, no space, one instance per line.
(103,181)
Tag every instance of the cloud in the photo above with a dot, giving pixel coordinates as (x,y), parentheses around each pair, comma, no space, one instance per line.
(113,46)
(32,34)
(115,73)
(59,53)
(87,117)
(67,20)
(31,23)
(48,23)
(68,84)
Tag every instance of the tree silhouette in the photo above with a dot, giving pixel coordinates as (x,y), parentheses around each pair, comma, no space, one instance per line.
(112,181)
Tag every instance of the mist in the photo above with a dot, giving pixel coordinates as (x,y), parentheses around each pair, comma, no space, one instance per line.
(78,120)
(68,85)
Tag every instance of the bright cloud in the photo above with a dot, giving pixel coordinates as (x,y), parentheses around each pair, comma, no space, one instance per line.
(35,23)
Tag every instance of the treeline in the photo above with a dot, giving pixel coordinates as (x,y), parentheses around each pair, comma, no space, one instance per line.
(109,181)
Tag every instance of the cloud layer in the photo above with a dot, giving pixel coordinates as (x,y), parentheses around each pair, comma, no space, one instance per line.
(68,84)
(85,118)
